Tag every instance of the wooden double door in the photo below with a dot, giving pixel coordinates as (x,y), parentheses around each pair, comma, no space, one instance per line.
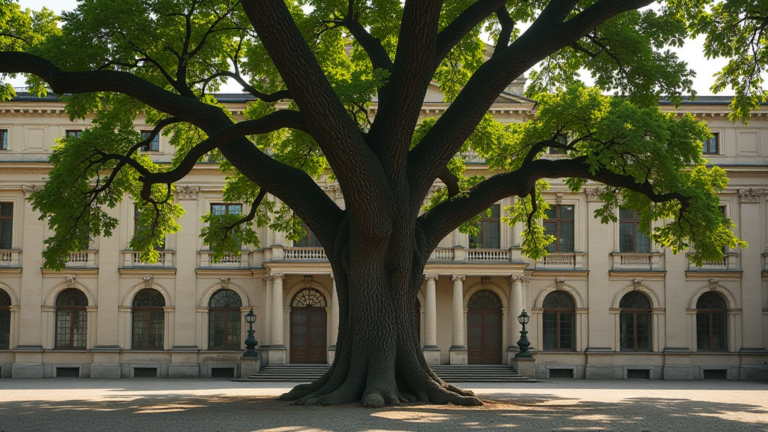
(308,335)
(484,336)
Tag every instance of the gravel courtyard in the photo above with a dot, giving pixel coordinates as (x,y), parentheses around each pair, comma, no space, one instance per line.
(220,405)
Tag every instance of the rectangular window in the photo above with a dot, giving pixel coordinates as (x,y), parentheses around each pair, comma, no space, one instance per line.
(308,240)
(226,209)
(3,139)
(5,328)
(559,223)
(489,236)
(153,145)
(75,133)
(6,225)
(630,237)
(712,145)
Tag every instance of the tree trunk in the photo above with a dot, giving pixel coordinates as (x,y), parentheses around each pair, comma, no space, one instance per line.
(378,358)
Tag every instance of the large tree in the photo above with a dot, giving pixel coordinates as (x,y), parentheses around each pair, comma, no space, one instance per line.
(314,68)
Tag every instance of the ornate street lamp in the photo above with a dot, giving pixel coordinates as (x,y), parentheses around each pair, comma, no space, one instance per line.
(250,341)
(523,343)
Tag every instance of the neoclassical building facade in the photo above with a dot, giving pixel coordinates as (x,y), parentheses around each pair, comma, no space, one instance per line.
(605,304)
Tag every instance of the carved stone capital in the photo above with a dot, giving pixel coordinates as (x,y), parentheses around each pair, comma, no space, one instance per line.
(462,278)
(593,194)
(187,192)
(273,276)
(30,189)
(750,195)
(429,276)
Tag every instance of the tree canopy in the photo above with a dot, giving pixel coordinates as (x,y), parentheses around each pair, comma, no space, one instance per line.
(316,67)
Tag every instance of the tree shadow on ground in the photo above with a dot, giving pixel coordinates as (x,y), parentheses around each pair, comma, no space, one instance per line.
(526,412)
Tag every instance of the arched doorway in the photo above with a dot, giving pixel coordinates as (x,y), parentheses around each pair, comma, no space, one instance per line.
(308,327)
(484,328)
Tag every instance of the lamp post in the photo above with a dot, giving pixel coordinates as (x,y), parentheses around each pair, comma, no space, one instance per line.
(250,341)
(523,343)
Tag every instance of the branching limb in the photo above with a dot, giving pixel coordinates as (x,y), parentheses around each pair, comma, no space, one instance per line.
(447,216)
(462,25)
(451,182)
(507,25)
(251,215)
(266,97)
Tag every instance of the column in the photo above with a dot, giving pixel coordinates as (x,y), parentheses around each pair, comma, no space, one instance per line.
(431,351)
(458,351)
(516,307)
(277,350)
(751,283)
(334,315)
(267,338)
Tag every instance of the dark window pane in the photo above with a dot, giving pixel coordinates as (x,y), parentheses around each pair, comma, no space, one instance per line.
(309,298)
(550,331)
(6,225)
(225,299)
(140,325)
(565,239)
(642,242)
(566,330)
(153,145)
(3,139)
(634,300)
(719,331)
(711,300)
(626,237)
(484,299)
(566,212)
(643,331)
(558,300)
(5,328)
(627,331)
(703,323)
(492,235)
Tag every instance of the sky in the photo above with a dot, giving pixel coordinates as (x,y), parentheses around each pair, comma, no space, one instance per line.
(692,52)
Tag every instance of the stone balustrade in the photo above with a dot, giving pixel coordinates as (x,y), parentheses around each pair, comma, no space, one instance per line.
(305,254)
(82,259)
(637,261)
(561,261)
(227,261)
(729,262)
(132,259)
(10,258)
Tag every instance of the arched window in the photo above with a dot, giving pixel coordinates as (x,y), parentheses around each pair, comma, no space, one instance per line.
(224,320)
(711,322)
(484,299)
(148,320)
(309,298)
(559,321)
(71,319)
(635,322)
(5,320)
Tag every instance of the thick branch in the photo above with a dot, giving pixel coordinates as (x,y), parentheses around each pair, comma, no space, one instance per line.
(376,52)
(328,122)
(507,25)
(462,25)
(292,186)
(543,38)
(252,214)
(447,216)
(266,97)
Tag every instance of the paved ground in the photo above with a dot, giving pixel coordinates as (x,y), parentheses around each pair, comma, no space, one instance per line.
(218,405)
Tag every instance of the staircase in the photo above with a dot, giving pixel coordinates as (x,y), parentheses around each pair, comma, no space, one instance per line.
(478,373)
(450,373)
(289,373)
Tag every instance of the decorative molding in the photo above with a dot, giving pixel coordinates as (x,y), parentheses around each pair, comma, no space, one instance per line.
(713,284)
(454,278)
(273,276)
(750,195)
(335,188)
(30,189)
(187,192)
(224,281)
(70,280)
(636,283)
(147,281)
(559,198)
(559,283)
(307,281)
(593,194)
(429,276)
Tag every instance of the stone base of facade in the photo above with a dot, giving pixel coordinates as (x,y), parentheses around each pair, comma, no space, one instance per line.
(525,366)
(249,366)
(458,355)
(432,354)
(184,371)
(27,370)
(603,372)
(278,355)
(106,370)
(753,373)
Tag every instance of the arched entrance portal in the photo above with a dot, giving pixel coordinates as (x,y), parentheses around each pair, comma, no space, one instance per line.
(308,327)
(484,328)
